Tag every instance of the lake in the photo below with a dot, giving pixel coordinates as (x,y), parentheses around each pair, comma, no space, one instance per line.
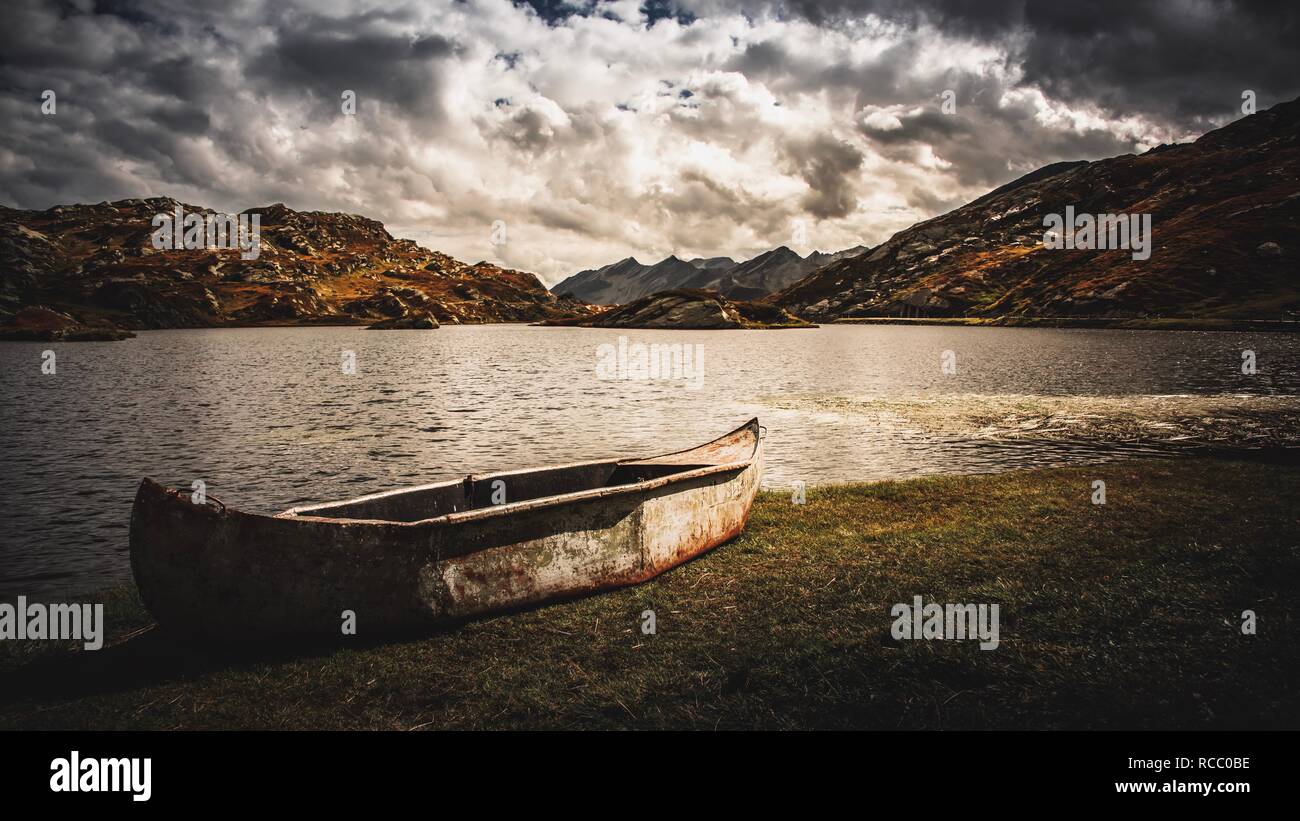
(267,418)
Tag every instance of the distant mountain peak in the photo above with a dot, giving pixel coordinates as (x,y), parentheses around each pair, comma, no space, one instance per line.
(625,281)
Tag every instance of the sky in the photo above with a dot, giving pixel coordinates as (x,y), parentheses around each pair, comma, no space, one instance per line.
(553,137)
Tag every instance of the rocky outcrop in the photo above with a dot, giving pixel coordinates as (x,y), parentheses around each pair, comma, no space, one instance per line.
(97,265)
(289,304)
(1224,210)
(41,324)
(688,309)
(410,322)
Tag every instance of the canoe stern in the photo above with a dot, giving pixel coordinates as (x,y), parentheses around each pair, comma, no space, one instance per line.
(216,572)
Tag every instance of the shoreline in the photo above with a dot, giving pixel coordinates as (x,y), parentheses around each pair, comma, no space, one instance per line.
(1104,323)
(788,627)
(1222,325)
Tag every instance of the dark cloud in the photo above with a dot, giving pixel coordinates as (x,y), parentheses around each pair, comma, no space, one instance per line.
(599,130)
(963,139)
(325,57)
(1185,59)
(1190,61)
(830,167)
(184,119)
(182,78)
(529,130)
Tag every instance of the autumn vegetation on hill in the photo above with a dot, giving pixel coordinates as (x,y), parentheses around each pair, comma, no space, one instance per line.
(98,265)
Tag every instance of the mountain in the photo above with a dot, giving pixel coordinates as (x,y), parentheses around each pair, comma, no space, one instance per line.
(627,279)
(713,263)
(770,272)
(817,259)
(98,265)
(1225,232)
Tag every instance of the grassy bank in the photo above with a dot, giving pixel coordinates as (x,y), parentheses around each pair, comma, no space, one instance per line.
(1122,615)
(1150,324)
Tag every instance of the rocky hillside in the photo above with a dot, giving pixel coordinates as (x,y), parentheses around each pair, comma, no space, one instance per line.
(97,264)
(627,279)
(770,272)
(1225,214)
(688,309)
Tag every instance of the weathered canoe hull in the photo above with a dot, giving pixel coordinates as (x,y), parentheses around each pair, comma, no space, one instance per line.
(219,572)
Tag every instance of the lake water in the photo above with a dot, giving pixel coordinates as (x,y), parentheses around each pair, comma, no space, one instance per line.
(268,419)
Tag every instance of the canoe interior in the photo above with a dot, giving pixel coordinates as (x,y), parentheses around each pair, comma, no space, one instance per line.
(478,492)
(474,492)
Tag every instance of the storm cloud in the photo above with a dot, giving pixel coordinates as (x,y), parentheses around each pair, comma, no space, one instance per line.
(597,130)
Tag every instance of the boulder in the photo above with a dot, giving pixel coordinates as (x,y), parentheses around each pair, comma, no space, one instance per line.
(413,322)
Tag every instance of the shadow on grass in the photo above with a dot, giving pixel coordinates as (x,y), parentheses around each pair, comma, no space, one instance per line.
(154,655)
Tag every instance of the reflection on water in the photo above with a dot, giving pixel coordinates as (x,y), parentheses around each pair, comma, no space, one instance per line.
(267,418)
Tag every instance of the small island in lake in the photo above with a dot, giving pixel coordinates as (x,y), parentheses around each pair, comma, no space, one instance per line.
(688,309)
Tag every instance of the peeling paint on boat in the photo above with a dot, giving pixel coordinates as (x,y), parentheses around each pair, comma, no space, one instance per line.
(437,554)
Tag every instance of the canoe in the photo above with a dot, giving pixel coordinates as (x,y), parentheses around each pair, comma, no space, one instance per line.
(437,554)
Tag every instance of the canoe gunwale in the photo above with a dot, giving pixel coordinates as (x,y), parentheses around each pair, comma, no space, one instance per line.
(462,516)
(509,508)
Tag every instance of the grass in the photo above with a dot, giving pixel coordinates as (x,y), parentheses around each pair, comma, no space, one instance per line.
(1123,615)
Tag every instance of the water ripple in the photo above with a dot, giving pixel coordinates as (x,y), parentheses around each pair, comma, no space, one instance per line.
(268,420)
